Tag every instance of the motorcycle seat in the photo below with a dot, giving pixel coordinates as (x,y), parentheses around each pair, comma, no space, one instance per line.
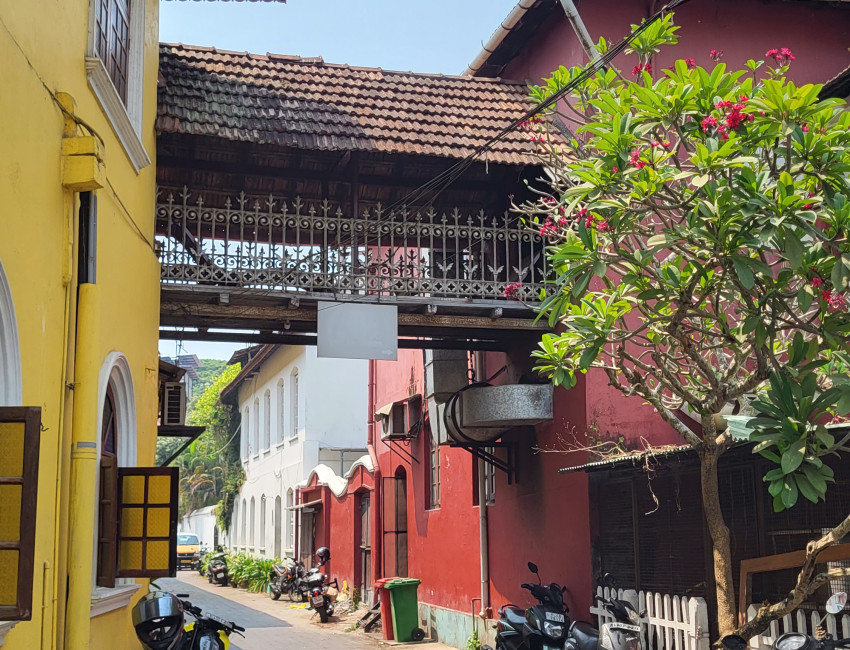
(514,615)
(585,635)
(281,569)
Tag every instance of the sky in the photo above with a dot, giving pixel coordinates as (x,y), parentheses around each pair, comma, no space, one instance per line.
(434,36)
(440,36)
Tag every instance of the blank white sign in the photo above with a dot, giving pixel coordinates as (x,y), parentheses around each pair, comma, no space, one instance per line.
(355,331)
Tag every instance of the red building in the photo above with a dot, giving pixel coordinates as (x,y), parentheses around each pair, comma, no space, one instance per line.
(417,513)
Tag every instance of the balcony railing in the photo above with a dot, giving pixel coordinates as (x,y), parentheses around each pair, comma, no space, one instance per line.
(270,244)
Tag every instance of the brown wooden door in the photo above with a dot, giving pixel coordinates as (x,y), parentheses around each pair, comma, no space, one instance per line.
(365,585)
(395,525)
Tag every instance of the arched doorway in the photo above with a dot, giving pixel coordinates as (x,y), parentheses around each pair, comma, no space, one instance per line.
(395,524)
(363,542)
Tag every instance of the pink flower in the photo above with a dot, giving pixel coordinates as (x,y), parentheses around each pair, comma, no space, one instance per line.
(782,56)
(816,282)
(615,169)
(639,67)
(708,123)
(805,128)
(716,55)
(690,63)
(512,290)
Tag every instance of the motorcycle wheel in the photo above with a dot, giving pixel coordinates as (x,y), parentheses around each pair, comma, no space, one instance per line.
(293,594)
(210,578)
(224,582)
(275,588)
(323,614)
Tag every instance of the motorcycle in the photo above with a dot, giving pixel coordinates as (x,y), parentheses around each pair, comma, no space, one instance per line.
(217,568)
(159,620)
(797,640)
(296,591)
(541,627)
(202,559)
(281,577)
(322,594)
(546,626)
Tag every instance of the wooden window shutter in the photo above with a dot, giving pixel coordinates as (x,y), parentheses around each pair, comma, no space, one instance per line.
(107,544)
(147,522)
(20,434)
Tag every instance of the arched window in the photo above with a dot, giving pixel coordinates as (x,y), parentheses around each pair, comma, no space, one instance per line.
(246,433)
(243,536)
(290,521)
(267,419)
(281,412)
(278,518)
(253,524)
(234,523)
(256,422)
(293,406)
(263,523)
(11,393)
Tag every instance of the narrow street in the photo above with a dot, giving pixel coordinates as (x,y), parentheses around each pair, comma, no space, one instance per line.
(268,623)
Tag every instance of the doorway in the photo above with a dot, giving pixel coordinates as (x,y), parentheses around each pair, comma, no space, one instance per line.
(363,538)
(278,513)
(395,524)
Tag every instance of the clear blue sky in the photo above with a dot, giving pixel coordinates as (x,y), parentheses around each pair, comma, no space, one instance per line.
(423,36)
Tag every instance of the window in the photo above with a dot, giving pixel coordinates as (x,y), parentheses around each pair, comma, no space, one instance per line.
(19,436)
(115,70)
(290,521)
(267,419)
(281,412)
(244,520)
(293,408)
(490,479)
(112,41)
(253,524)
(245,433)
(434,471)
(256,431)
(263,524)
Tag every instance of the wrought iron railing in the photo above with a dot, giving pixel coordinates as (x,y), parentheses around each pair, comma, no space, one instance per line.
(274,245)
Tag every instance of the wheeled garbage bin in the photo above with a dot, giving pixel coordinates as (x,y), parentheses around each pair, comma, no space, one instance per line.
(386,608)
(405,608)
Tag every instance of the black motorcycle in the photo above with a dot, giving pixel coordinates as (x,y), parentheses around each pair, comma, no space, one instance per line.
(217,568)
(541,627)
(322,593)
(281,578)
(296,591)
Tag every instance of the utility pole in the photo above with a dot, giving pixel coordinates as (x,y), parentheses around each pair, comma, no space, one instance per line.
(580,29)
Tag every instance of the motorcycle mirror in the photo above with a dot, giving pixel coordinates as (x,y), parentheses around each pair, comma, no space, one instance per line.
(733,642)
(532,567)
(608,580)
(836,603)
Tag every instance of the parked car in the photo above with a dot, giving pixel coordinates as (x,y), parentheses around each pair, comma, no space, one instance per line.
(188,551)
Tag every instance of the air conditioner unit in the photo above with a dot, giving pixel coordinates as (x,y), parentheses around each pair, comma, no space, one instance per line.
(404,419)
(173,404)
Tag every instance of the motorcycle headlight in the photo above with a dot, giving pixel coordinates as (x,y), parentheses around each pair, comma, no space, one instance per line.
(554,630)
(634,617)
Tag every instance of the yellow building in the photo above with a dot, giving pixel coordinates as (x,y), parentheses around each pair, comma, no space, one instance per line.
(79,311)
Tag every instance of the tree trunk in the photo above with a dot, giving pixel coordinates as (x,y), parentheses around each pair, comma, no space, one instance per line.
(721,553)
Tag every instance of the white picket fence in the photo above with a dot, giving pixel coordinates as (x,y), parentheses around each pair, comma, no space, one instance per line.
(671,622)
(799,621)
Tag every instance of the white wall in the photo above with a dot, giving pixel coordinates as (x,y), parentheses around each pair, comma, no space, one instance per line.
(331,413)
(202,523)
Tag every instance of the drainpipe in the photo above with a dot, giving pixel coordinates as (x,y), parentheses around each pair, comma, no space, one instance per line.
(377,503)
(83,469)
(580,29)
(484,541)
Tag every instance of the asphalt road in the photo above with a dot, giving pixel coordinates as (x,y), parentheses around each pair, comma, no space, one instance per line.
(268,624)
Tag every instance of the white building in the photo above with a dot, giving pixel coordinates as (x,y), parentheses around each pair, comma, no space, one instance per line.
(202,523)
(297,410)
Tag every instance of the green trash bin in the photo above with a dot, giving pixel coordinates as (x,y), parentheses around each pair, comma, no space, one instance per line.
(405,609)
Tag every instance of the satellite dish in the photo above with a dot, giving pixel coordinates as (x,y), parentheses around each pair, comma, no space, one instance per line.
(836,603)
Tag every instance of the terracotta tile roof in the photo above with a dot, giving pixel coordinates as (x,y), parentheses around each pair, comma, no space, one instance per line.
(309,104)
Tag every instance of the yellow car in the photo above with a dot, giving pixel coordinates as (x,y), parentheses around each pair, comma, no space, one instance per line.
(188,551)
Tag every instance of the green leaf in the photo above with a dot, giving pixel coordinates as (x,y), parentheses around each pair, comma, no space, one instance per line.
(806,488)
(792,458)
(790,493)
(745,274)
(794,250)
(588,357)
(599,268)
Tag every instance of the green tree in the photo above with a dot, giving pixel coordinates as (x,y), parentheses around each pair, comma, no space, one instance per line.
(698,223)
(210,469)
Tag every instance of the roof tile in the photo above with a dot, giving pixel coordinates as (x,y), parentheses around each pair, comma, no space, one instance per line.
(310,104)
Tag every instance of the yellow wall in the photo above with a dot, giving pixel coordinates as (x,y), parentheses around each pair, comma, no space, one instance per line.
(43,46)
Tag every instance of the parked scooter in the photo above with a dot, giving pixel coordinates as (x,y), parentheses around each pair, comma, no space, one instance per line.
(281,577)
(160,624)
(322,593)
(202,559)
(547,627)
(541,627)
(217,567)
(797,640)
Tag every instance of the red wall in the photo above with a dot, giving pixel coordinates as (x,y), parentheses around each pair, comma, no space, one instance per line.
(816,32)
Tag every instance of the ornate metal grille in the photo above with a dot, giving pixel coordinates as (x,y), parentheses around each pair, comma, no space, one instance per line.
(274,245)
